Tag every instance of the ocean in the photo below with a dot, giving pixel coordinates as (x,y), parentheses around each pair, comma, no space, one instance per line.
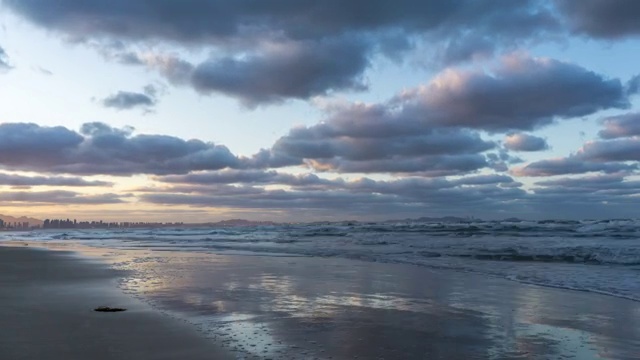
(600,256)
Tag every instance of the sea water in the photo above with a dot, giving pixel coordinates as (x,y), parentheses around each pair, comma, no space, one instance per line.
(600,256)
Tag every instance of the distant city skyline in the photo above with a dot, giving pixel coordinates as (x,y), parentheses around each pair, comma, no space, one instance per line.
(319,111)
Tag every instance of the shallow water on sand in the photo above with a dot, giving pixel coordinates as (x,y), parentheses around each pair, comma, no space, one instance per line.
(303,307)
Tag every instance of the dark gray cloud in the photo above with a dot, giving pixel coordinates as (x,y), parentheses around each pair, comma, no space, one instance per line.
(175,69)
(484,180)
(525,142)
(593,182)
(124,100)
(314,143)
(621,126)
(269,51)
(19,180)
(234,176)
(466,48)
(570,165)
(294,70)
(324,46)
(101,149)
(368,198)
(625,149)
(610,156)
(523,93)
(633,85)
(212,21)
(620,152)
(4,60)
(363,138)
(359,196)
(276,200)
(229,176)
(210,183)
(431,166)
(291,70)
(34,145)
(59,197)
(491,195)
(500,160)
(608,19)
(605,186)
(426,129)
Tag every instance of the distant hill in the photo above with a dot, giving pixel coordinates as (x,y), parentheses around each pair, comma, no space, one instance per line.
(21,219)
(241,222)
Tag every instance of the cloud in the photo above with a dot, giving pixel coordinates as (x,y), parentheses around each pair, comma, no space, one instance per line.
(523,93)
(607,186)
(171,66)
(570,165)
(58,197)
(431,166)
(361,196)
(626,149)
(272,73)
(374,138)
(210,183)
(467,48)
(493,195)
(525,142)
(234,176)
(607,19)
(622,153)
(125,100)
(270,51)
(484,180)
(33,145)
(4,60)
(621,126)
(633,85)
(291,70)
(101,149)
(315,143)
(593,182)
(610,156)
(209,21)
(216,182)
(432,129)
(19,180)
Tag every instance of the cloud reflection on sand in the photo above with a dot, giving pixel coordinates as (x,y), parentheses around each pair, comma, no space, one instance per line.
(303,307)
(276,306)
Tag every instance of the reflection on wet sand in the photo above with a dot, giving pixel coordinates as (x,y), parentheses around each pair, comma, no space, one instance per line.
(265,307)
(282,307)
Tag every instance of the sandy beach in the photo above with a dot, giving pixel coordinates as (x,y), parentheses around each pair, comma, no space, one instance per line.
(46,311)
(282,307)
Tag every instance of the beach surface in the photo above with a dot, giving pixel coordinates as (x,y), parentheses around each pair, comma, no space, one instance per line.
(249,306)
(46,312)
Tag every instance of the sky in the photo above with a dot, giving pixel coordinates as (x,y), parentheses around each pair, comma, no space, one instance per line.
(291,110)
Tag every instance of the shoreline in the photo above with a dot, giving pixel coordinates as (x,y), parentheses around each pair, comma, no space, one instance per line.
(46,308)
(262,307)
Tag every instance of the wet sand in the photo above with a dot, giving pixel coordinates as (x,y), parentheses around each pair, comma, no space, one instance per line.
(283,307)
(46,312)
